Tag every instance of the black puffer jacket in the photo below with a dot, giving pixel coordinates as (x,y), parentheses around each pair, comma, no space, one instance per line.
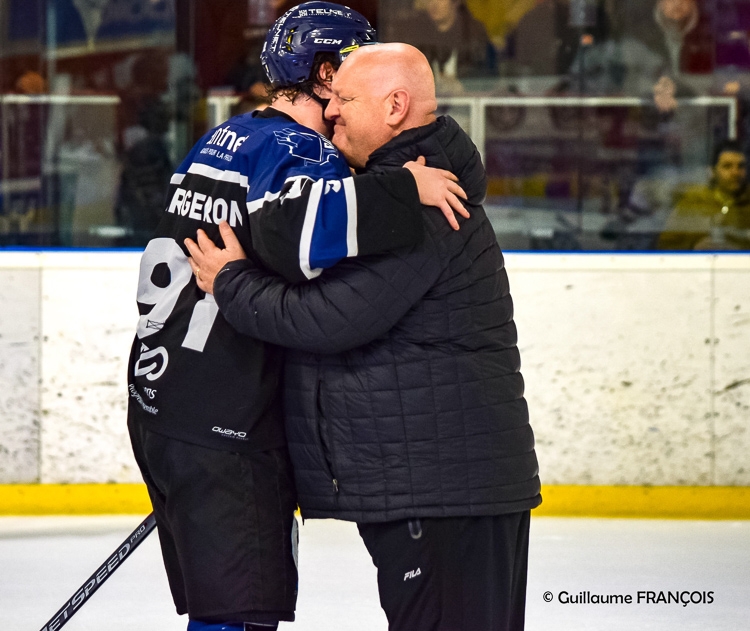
(404,398)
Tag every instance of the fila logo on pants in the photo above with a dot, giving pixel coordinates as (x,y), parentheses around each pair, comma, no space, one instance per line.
(412,574)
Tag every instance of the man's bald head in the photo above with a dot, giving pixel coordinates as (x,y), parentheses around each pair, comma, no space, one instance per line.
(389,67)
(379,92)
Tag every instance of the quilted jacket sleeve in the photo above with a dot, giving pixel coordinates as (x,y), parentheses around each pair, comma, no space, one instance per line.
(315,220)
(351,305)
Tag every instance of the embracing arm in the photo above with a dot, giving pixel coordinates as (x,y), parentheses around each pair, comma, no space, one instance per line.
(314,221)
(353,304)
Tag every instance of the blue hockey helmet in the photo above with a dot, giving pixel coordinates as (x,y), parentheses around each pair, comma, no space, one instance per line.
(307,29)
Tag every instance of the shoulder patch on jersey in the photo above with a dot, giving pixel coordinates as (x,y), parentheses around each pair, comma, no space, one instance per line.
(309,147)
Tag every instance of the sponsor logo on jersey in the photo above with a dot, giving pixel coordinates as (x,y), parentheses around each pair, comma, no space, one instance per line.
(136,395)
(157,359)
(226,138)
(205,208)
(309,147)
(229,433)
(412,574)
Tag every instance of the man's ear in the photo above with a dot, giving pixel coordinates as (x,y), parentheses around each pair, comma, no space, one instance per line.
(397,107)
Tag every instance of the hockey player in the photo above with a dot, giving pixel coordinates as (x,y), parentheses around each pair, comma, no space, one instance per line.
(204,408)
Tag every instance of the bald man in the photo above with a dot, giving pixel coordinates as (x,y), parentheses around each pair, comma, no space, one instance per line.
(383,91)
(403,397)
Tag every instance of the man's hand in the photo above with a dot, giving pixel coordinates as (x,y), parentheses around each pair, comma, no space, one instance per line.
(206,260)
(438,188)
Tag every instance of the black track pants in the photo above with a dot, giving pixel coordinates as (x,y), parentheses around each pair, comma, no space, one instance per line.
(452,574)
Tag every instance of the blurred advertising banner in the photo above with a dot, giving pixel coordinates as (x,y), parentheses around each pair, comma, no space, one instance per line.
(88,22)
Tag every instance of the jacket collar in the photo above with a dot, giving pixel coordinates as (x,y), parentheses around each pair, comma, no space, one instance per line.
(405,146)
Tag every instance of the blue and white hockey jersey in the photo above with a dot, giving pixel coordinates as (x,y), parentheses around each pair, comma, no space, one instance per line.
(296,209)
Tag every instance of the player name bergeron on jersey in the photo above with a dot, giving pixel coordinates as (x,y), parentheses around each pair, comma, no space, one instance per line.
(205,208)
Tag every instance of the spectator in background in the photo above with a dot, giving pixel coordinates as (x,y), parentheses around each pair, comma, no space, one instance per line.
(454,41)
(18,209)
(715,216)
(646,202)
(500,18)
(248,77)
(675,40)
(31,82)
(546,41)
(654,46)
(685,42)
(682,36)
(146,170)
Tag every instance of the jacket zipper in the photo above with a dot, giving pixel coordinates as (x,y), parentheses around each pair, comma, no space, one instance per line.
(323,436)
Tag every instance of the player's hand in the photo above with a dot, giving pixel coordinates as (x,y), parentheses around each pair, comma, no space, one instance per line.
(440,188)
(206,260)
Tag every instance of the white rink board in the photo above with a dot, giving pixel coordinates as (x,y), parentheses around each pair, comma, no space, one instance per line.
(19,374)
(83,306)
(637,366)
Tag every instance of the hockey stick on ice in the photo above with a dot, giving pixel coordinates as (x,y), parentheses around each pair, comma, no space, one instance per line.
(102,574)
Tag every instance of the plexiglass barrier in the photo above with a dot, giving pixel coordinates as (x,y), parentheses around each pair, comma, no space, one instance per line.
(584,173)
(564,173)
(59,170)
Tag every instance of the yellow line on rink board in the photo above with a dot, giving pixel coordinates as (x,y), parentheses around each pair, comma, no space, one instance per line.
(645,502)
(641,502)
(73,499)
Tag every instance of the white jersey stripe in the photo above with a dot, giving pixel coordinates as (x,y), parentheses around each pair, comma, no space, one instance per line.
(311,215)
(294,192)
(177,178)
(222,175)
(352,246)
(257,204)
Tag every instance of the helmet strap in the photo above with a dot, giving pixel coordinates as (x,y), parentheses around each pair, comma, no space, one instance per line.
(321,101)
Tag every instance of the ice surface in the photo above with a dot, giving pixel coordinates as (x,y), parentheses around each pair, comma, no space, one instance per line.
(43,560)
